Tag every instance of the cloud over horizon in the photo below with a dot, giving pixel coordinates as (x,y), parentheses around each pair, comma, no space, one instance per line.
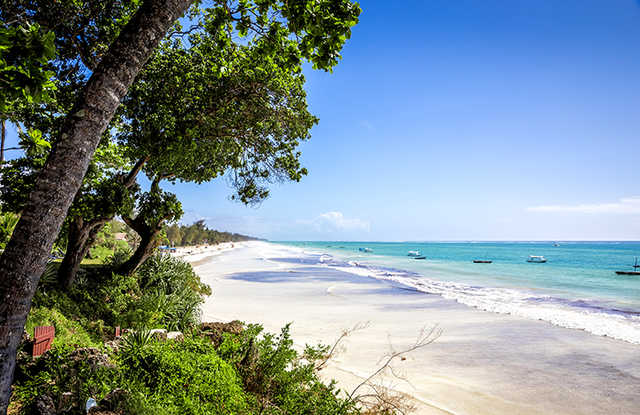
(625,205)
(336,221)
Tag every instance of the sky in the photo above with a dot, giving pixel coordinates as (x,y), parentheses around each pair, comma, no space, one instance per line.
(464,120)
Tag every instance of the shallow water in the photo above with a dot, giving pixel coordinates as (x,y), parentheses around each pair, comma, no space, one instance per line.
(577,288)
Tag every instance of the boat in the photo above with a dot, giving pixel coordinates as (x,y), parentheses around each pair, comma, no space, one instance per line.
(413,253)
(556,244)
(420,257)
(634,272)
(482,261)
(539,259)
(365,250)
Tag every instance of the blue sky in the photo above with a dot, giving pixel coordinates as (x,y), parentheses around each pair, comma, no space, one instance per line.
(465,120)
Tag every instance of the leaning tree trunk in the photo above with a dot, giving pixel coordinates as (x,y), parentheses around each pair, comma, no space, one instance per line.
(81,237)
(148,243)
(25,257)
(82,234)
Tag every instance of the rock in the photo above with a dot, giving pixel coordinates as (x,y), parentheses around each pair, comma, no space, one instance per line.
(44,405)
(66,402)
(215,330)
(115,344)
(97,411)
(110,403)
(159,334)
(175,335)
(94,357)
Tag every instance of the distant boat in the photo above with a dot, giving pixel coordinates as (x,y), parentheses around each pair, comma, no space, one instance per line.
(365,250)
(556,244)
(539,259)
(635,266)
(413,253)
(482,261)
(420,257)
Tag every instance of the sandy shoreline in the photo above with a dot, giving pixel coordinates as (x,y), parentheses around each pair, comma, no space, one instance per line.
(484,363)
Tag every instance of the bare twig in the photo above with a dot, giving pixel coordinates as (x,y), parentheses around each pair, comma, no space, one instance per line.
(334,349)
(380,399)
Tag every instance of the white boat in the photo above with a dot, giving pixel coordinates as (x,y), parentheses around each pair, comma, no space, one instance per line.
(537,259)
(365,250)
(413,253)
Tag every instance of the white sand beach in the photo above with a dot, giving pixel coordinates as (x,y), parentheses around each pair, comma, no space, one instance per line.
(483,363)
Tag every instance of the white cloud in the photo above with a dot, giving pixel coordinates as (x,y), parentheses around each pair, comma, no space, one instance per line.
(336,221)
(627,205)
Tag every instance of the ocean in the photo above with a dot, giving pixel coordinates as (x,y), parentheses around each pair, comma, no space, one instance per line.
(576,288)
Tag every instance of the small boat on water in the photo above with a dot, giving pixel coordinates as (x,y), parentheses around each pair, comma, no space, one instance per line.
(413,253)
(556,244)
(538,259)
(482,261)
(365,250)
(634,272)
(420,257)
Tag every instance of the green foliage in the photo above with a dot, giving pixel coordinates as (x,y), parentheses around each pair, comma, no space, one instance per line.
(280,379)
(198,233)
(134,343)
(172,288)
(68,332)
(25,52)
(8,222)
(157,206)
(186,377)
(66,375)
(164,293)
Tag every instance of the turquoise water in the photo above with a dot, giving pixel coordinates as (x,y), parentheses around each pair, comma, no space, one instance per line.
(577,287)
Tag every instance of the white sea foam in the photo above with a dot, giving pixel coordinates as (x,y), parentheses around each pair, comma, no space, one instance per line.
(619,326)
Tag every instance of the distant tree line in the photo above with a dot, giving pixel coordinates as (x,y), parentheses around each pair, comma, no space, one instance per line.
(198,233)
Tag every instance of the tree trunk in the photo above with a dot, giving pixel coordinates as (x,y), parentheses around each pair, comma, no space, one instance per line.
(146,248)
(25,257)
(82,234)
(81,238)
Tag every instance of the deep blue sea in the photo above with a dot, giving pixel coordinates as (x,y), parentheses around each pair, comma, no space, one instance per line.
(577,287)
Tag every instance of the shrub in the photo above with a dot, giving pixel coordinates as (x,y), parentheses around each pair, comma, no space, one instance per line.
(68,332)
(173,290)
(67,376)
(185,377)
(164,293)
(280,379)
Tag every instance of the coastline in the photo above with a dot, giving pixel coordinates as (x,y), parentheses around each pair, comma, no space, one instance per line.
(201,254)
(484,363)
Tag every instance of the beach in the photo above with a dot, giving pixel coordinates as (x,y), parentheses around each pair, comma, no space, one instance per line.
(482,363)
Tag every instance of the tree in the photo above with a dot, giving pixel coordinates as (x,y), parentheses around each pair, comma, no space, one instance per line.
(24,77)
(155,209)
(309,29)
(25,256)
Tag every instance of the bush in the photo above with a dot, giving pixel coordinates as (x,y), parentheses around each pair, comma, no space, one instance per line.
(280,379)
(173,290)
(185,378)
(68,332)
(164,293)
(66,376)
